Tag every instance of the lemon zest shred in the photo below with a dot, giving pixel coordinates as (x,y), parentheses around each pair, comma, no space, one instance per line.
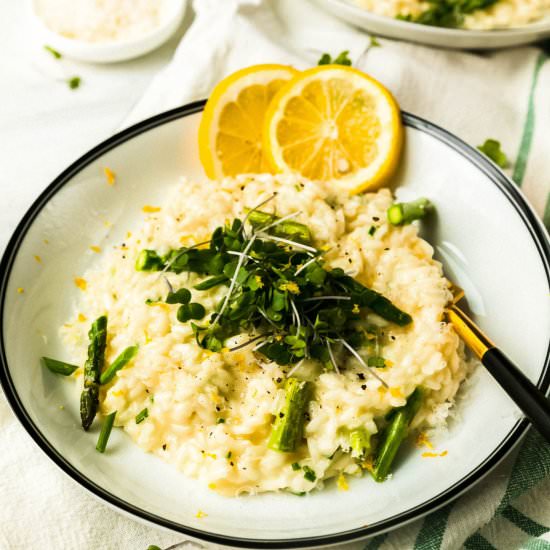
(423,441)
(368,464)
(434,455)
(38,259)
(20,290)
(342,483)
(80,283)
(291,287)
(396,392)
(81,318)
(355,308)
(200,514)
(148,209)
(109,175)
(95,249)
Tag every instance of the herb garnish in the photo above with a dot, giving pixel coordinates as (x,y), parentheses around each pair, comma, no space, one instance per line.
(341,59)
(447,13)
(74,82)
(54,52)
(278,291)
(492,149)
(142,415)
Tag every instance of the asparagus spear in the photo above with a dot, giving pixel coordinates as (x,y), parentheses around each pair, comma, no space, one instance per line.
(59,367)
(288,229)
(106,428)
(359,440)
(288,428)
(121,361)
(394,435)
(89,398)
(402,213)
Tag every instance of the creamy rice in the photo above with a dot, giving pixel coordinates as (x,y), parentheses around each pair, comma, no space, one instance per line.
(187,389)
(503,14)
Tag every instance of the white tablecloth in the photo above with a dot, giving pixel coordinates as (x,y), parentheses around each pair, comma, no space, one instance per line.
(44,126)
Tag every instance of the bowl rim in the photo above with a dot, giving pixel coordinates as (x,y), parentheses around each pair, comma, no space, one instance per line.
(497,177)
(536,26)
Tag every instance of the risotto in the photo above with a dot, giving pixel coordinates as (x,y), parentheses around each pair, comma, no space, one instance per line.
(210,414)
(502,14)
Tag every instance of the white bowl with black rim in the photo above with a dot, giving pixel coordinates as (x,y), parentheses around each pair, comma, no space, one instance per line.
(485,233)
(460,39)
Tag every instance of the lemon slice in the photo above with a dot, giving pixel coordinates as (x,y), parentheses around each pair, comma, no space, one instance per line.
(336,124)
(230,132)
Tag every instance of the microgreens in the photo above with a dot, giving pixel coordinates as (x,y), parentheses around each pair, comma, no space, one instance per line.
(278,291)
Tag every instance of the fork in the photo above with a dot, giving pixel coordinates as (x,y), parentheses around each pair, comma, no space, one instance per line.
(534,404)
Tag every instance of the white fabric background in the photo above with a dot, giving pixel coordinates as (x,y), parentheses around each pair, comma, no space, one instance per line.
(44,126)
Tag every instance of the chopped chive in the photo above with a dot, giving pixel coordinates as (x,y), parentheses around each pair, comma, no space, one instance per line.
(105,432)
(372,230)
(309,474)
(220,421)
(359,440)
(59,367)
(228,455)
(121,361)
(142,415)
(150,301)
(296,466)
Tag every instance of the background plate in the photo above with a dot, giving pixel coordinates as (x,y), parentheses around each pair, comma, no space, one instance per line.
(434,36)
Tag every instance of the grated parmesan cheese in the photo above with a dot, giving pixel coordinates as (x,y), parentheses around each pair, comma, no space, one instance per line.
(101,20)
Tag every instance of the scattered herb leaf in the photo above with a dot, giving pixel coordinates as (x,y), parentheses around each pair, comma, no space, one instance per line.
(341,59)
(74,82)
(492,149)
(142,415)
(54,52)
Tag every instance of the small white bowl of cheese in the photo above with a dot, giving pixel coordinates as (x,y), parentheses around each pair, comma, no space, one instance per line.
(105,31)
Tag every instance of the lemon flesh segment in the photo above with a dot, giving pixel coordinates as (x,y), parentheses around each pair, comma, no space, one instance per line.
(334,124)
(230,133)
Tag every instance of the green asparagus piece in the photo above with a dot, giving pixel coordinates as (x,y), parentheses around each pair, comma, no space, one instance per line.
(121,361)
(359,440)
(106,428)
(59,367)
(384,307)
(149,260)
(89,397)
(394,434)
(288,428)
(403,213)
(288,229)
